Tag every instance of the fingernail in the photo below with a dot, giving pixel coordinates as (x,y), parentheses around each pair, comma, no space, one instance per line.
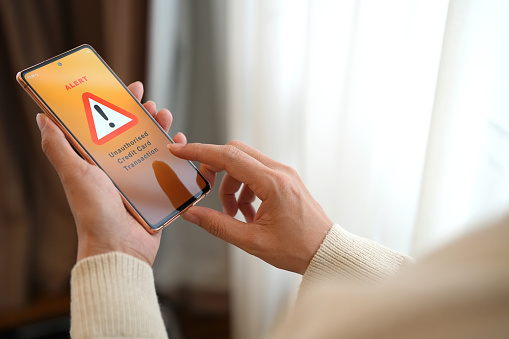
(193,218)
(41,121)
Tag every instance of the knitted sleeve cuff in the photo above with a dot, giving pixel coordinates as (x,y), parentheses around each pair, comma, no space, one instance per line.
(344,256)
(113,295)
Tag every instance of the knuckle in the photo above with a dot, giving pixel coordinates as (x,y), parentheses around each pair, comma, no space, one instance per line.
(46,144)
(216,229)
(231,153)
(235,143)
(290,171)
(49,148)
(196,147)
(282,178)
(286,184)
(195,150)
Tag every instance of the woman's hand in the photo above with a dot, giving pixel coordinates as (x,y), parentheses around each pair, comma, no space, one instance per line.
(102,222)
(288,227)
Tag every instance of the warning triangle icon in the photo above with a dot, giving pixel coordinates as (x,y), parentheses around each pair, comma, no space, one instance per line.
(105,120)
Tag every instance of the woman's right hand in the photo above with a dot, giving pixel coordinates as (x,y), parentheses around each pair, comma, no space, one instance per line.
(288,227)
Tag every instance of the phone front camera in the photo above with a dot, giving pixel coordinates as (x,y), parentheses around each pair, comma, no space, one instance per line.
(59,64)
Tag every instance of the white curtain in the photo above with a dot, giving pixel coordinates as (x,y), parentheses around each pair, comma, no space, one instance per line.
(395,113)
(466,177)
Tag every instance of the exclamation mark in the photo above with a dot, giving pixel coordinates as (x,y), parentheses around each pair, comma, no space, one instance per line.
(100,111)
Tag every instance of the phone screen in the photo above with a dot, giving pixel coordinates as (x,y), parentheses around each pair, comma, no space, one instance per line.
(116,132)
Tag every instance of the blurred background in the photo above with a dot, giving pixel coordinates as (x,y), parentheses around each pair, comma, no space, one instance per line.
(395,113)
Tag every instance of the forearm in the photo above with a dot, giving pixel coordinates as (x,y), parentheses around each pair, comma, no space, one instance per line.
(344,256)
(113,295)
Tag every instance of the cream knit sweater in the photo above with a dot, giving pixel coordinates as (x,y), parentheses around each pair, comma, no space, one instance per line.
(461,291)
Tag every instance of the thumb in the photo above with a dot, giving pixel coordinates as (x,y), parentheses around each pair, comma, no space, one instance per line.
(56,147)
(219,225)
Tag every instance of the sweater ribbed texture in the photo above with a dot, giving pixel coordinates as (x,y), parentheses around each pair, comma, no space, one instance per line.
(113,296)
(344,256)
(458,292)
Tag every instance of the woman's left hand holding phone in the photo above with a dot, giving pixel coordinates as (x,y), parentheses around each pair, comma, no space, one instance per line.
(103,223)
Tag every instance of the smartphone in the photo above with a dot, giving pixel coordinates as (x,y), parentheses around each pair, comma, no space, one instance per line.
(107,125)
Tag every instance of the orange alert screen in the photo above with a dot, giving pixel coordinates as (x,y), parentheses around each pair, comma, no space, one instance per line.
(117,133)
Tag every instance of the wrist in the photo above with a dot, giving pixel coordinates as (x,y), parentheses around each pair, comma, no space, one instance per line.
(89,248)
(315,241)
(89,245)
(86,250)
